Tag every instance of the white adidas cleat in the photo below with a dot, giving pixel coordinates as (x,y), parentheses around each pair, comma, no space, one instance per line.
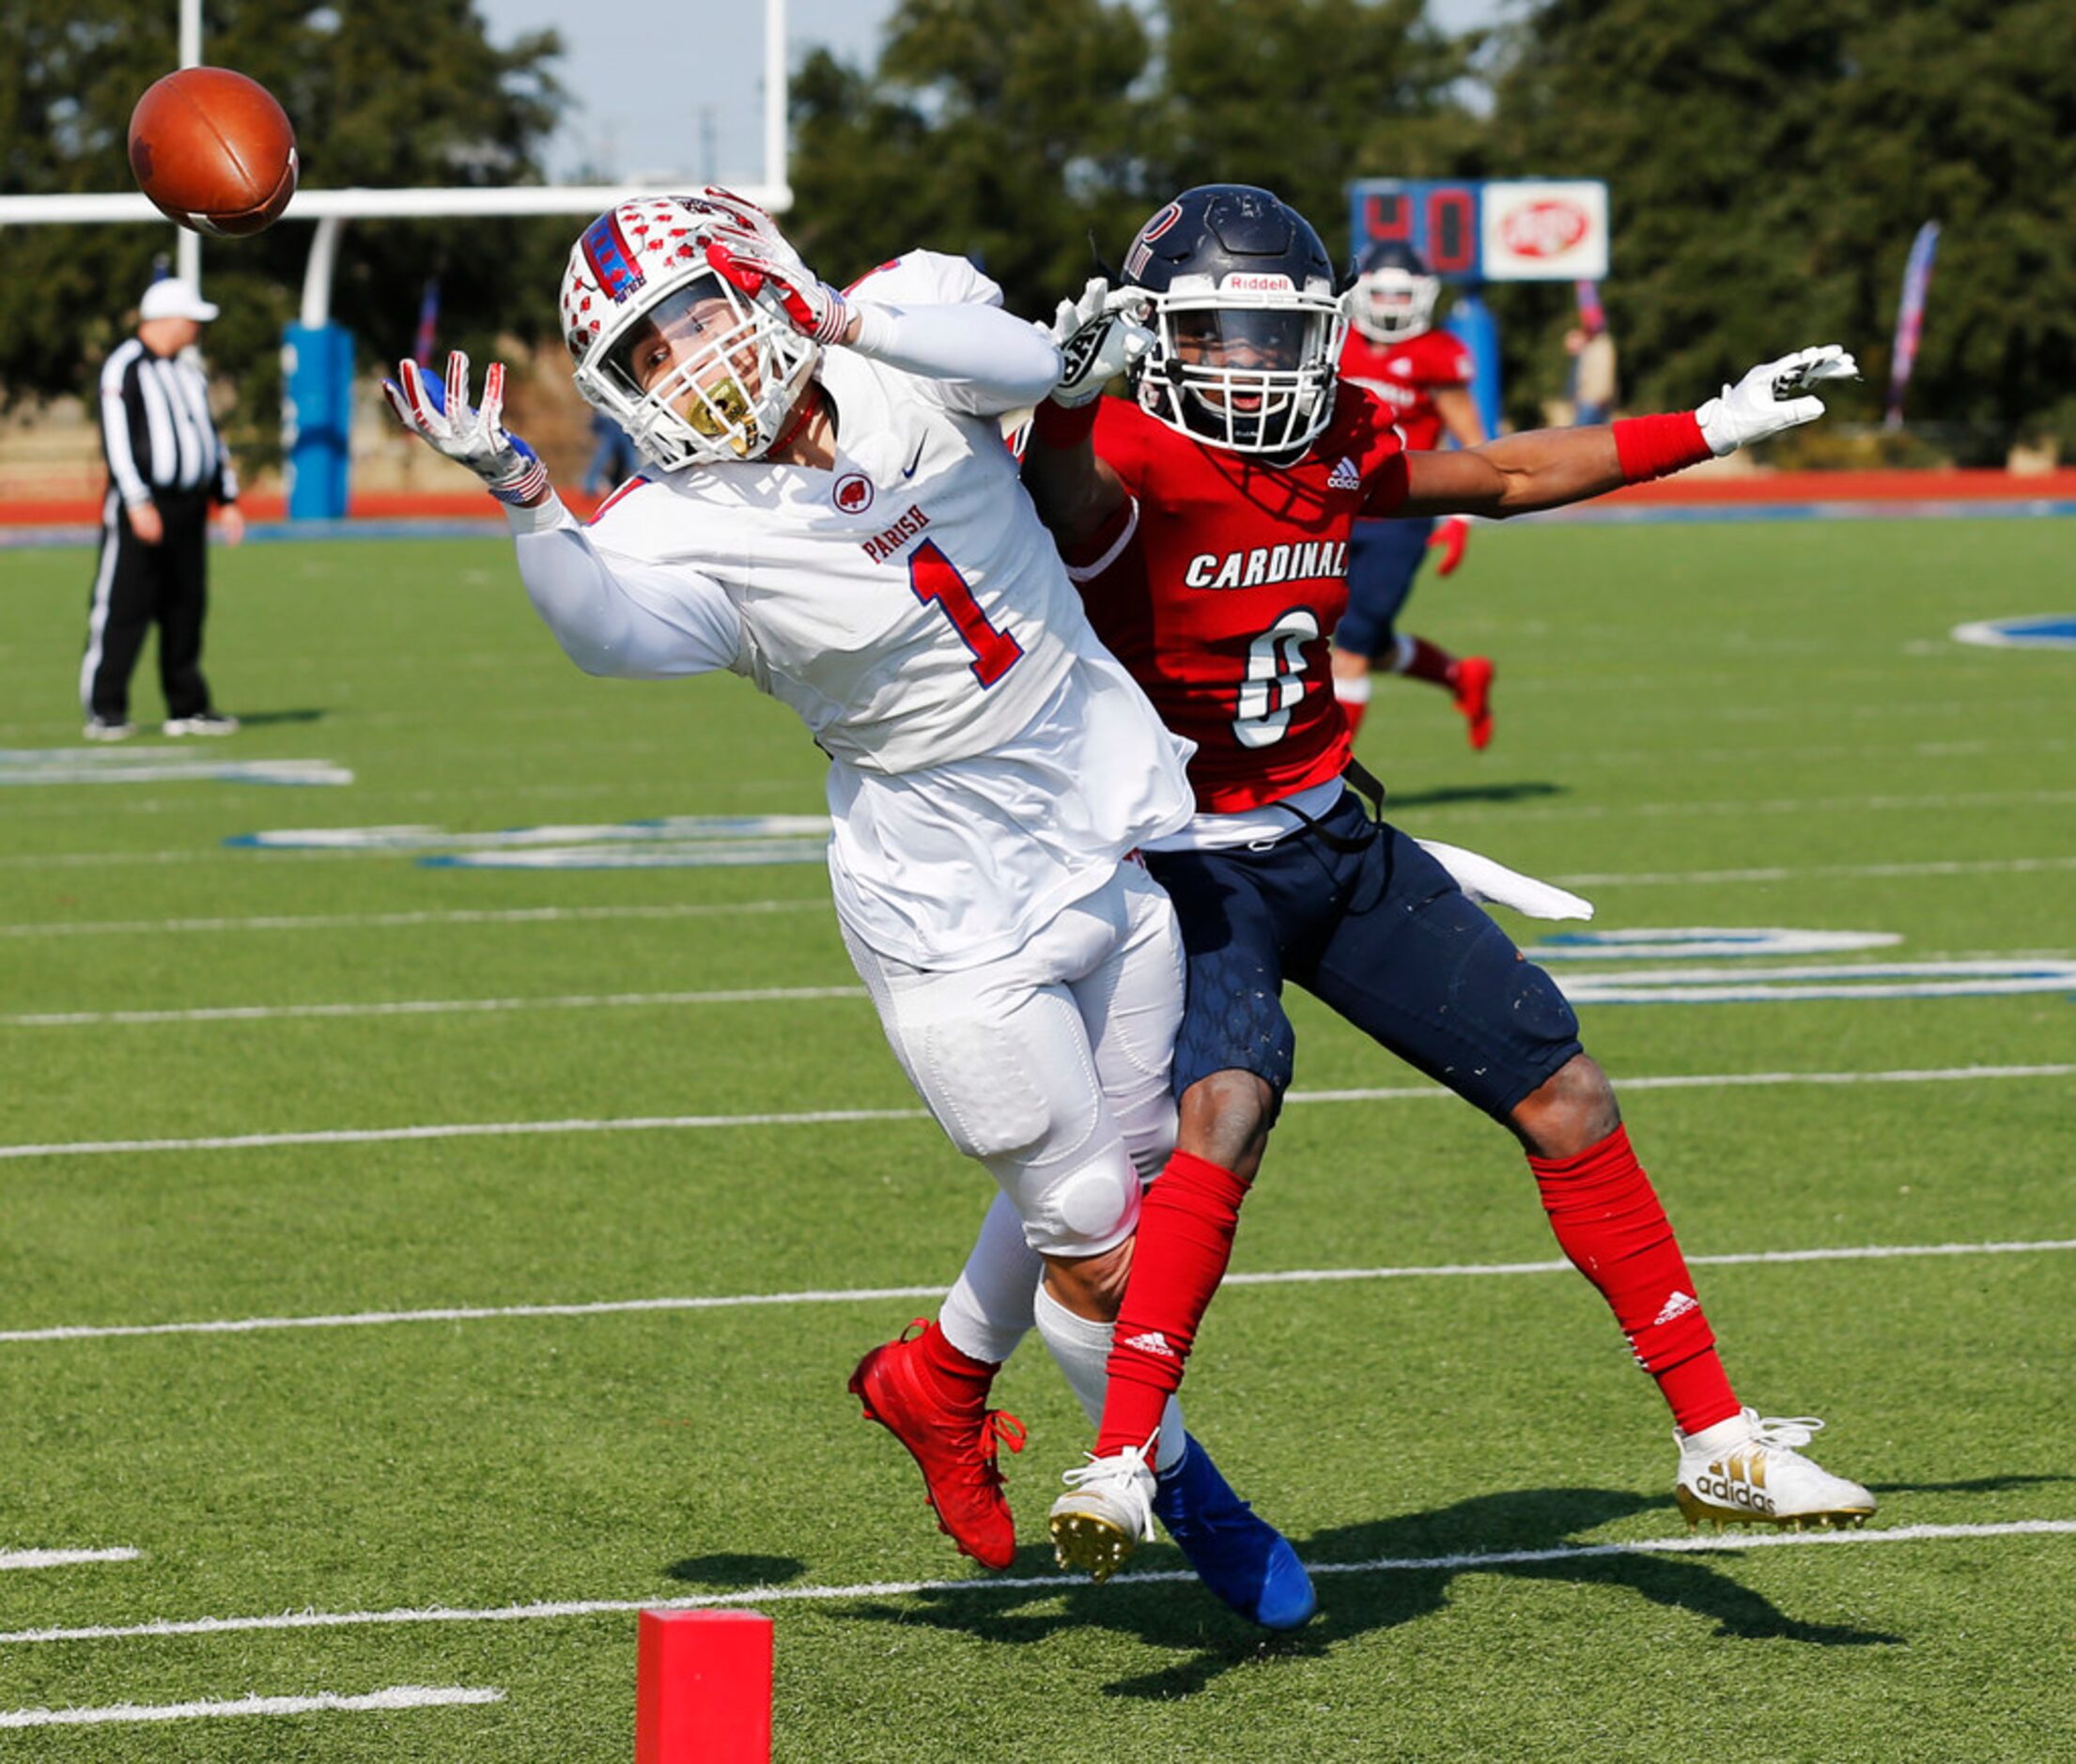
(1746,1471)
(1106,1512)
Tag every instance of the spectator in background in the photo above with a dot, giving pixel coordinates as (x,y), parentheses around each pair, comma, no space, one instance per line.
(612,461)
(1592,352)
(166,464)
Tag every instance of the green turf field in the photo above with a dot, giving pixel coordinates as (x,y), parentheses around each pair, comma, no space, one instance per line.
(1699,726)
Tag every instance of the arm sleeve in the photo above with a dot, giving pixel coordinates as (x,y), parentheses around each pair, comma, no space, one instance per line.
(620,616)
(116,435)
(940,318)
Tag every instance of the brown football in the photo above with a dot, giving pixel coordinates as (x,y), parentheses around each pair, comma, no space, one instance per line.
(214,150)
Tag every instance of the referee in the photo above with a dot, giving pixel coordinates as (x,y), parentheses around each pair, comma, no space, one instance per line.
(166,463)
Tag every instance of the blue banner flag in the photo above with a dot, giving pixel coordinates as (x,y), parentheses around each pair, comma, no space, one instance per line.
(1909,317)
(428,316)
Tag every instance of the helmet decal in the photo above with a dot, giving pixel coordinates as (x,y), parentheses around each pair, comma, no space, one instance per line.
(606,250)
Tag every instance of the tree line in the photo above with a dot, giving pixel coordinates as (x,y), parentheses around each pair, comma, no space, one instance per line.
(1769,161)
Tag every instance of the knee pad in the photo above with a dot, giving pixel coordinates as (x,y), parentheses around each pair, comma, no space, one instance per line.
(1085,1213)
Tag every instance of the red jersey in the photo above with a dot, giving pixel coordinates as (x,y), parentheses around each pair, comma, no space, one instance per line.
(1220,588)
(1406,375)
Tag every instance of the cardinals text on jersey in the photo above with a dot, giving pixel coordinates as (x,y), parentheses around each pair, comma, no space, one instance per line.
(1221,590)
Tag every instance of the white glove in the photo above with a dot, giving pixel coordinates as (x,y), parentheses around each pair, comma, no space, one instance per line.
(750,263)
(1100,336)
(1773,399)
(1486,880)
(477,438)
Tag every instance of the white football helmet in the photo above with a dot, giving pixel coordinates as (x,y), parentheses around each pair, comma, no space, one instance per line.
(1393,296)
(697,372)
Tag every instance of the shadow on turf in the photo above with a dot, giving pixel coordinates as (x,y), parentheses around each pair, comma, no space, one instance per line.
(1448,794)
(1354,1603)
(269,719)
(735,1572)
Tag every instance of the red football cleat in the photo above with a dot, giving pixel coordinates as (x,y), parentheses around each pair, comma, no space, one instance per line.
(953,1435)
(1473,687)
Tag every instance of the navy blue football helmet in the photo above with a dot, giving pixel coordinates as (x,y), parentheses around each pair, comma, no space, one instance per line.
(1248,330)
(1393,294)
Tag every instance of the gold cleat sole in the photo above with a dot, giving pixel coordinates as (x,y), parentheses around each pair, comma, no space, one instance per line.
(1082,1541)
(1697,1512)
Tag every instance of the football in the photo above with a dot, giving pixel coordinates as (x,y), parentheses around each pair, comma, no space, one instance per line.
(214,150)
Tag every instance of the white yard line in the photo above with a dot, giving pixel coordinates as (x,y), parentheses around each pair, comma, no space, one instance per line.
(824,1117)
(1471,1561)
(874,1294)
(377,1702)
(61,1559)
(428,1007)
(391,922)
(550,915)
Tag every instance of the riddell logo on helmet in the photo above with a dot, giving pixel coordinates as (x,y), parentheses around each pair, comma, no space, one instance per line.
(1257,282)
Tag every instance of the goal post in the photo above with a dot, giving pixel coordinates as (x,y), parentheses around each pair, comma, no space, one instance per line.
(318,354)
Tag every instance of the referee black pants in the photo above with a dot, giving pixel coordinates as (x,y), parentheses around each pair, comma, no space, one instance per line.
(138,585)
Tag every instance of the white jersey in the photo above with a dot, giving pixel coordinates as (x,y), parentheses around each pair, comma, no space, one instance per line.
(991,761)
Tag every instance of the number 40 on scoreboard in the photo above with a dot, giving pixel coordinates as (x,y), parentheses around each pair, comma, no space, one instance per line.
(1471,230)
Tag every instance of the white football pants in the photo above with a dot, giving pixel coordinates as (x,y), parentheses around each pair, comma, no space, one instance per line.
(1050,1065)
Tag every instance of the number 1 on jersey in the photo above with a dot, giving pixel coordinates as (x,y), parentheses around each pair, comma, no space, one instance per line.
(932,577)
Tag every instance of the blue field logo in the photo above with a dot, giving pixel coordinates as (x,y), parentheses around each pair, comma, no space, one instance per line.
(2041,630)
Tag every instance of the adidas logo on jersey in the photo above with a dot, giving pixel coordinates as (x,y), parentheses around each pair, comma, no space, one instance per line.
(1344,476)
(1153,1342)
(1679,1304)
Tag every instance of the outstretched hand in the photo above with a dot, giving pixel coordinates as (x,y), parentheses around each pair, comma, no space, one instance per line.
(750,263)
(1773,397)
(1099,336)
(442,417)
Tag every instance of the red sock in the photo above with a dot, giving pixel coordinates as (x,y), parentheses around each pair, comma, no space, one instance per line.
(1609,1221)
(1179,1257)
(1419,660)
(958,1372)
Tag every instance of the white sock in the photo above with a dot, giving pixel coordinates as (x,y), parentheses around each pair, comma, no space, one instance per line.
(988,1311)
(1352,689)
(1080,1347)
(1724,1435)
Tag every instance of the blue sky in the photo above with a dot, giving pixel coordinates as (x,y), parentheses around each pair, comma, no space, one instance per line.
(673,88)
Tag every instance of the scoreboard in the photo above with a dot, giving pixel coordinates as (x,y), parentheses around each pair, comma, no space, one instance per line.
(1472,230)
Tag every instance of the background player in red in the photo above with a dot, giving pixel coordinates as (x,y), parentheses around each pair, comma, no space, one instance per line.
(1207,521)
(1422,376)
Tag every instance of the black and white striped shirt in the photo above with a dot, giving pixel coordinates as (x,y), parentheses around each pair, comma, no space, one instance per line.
(156,430)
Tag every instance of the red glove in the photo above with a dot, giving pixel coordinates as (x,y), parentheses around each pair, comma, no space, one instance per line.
(1448,538)
(749,264)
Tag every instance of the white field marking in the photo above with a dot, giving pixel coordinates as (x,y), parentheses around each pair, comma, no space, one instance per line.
(823,1117)
(671,827)
(2039,630)
(1471,1561)
(428,1007)
(142,769)
(1974,977)
(1652,943)
(1783,872)
(549,914)
(325,1703)
(61,1559)
(1513,814)
(1862,980)
(710,854)
(393,921)
(879,1294)
(1710,1081)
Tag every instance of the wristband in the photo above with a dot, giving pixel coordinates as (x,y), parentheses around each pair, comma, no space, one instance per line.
(1653,446)
(1058,425)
